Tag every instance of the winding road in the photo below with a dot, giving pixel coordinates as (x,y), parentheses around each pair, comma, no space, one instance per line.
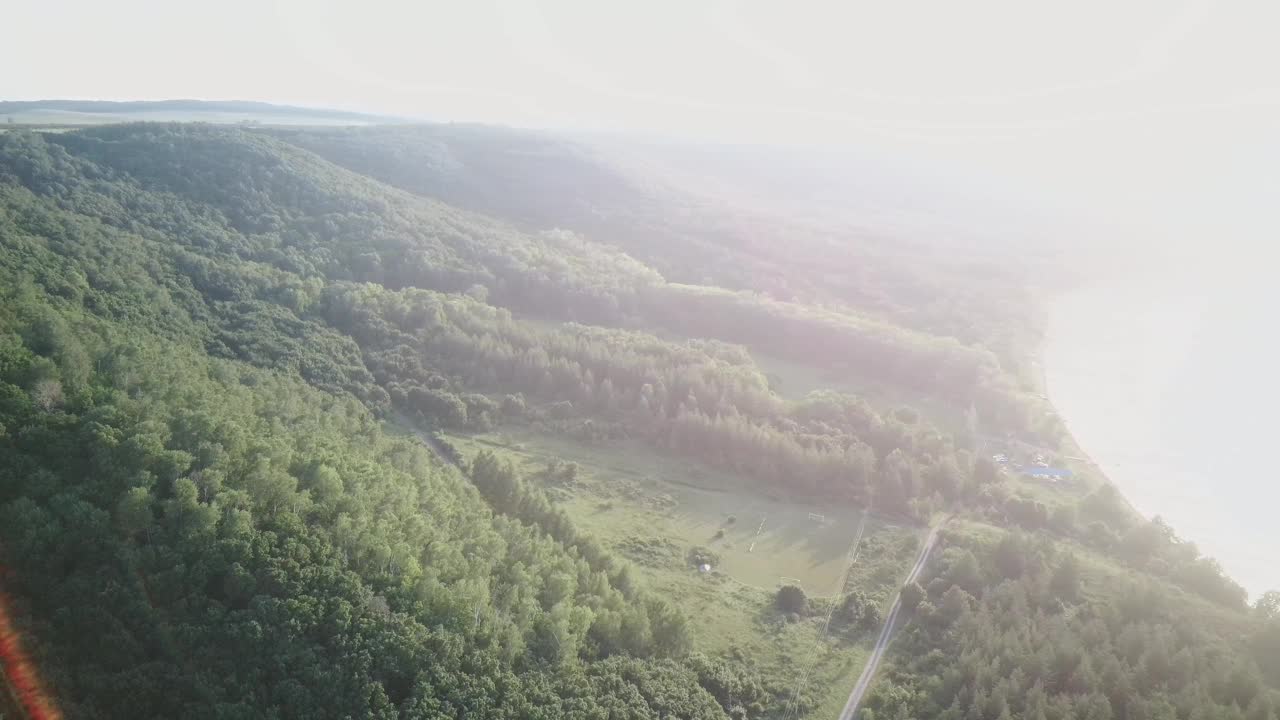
(886,632)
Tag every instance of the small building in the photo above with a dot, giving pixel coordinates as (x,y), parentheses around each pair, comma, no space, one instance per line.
(704,567)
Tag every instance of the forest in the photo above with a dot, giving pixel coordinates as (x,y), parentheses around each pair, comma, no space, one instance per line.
(1015,626)
(218,347)
(256,547)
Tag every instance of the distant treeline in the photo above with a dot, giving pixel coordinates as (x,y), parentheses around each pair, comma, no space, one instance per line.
(190,106)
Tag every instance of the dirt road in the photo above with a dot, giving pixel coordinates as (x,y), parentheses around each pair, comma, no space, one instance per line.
(886,632)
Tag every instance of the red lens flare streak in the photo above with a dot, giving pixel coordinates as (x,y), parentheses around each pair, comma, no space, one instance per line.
(22,682)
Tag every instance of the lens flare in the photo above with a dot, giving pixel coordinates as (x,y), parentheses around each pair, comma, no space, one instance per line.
(21,681)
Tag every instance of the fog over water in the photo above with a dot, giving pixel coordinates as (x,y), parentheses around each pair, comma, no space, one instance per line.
(1170,383)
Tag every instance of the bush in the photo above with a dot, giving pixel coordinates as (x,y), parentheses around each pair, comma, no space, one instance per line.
(513,406)
(860,610)
(792,599)
(912,595)
(699,556)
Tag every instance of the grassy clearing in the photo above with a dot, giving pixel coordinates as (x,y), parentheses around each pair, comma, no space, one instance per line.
(757,539)
(795,380)
(654,510)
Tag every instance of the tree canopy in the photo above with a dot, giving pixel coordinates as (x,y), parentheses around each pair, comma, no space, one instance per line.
(207,332)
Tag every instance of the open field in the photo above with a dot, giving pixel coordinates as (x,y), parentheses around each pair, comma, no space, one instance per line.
(653,511)
(758,539)
(795,380)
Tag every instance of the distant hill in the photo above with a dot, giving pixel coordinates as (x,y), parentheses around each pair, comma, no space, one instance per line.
(105,111)
(663,213)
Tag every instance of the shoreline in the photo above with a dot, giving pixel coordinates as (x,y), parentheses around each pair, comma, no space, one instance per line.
(1073,445)
(1173,387)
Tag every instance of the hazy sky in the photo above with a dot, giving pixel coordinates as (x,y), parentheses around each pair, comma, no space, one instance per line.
(1148,119)
(1163,110)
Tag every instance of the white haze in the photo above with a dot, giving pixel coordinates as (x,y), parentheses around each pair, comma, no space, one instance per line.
(1155,114)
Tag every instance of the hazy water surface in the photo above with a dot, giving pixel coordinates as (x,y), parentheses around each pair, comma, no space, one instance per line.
(1173,390)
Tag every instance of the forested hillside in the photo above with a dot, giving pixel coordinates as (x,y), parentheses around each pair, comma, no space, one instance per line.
(218,348)
(1015,626)
(193,536)
(541,181)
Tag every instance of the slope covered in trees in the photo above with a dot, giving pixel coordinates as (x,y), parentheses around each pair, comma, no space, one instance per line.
(202,517)
(301,215)
(540,181)
(244,536)
(204,331)
(1016,626)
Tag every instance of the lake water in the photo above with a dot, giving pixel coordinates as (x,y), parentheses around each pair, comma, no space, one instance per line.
(1173,387)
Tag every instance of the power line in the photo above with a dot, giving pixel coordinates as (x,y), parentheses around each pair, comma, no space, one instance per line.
(852,556)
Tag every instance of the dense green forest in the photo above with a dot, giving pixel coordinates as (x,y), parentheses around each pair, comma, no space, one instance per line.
(218,345)
(1016,626)
(538,181)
